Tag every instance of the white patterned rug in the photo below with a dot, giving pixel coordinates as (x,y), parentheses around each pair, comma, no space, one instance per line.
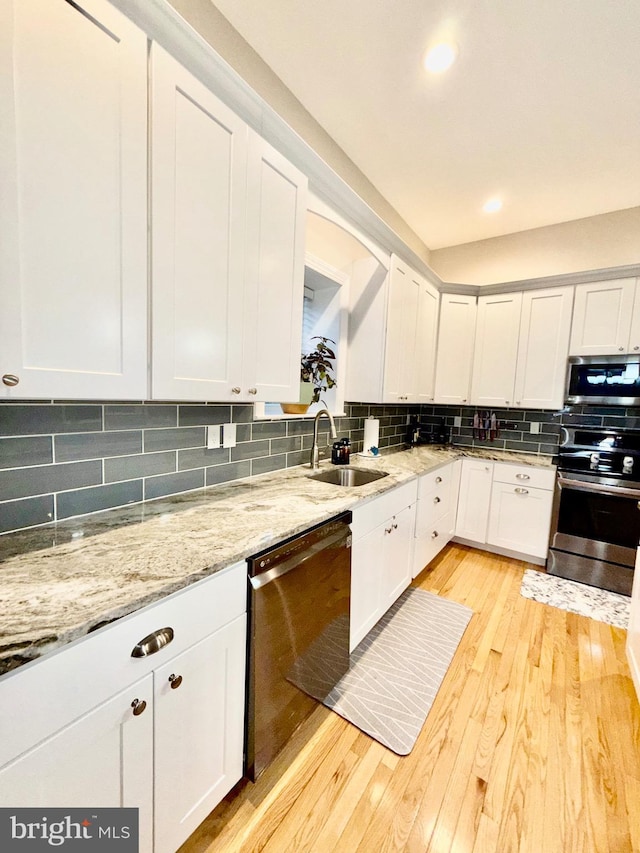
(598,604)
(396,671)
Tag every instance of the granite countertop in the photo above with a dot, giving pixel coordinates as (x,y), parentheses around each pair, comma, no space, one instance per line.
(61,581)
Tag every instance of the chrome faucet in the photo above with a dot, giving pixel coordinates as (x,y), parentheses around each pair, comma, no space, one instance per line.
(314,461)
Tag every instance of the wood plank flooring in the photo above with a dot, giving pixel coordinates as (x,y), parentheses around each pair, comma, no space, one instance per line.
(532,745)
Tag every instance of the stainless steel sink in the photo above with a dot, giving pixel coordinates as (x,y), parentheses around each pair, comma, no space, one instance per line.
(348,476)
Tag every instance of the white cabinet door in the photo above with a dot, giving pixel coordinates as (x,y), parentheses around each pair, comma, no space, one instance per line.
(496,349)
(426,336)
(402,317)
(455,348)
(199,730)
(366,584)
(520,519)
(542,351)
(633,635)
(602,317)
(199,156)
(474,500)
(397,554)
(274,275)
(104,759)
(73,204)
(634,335)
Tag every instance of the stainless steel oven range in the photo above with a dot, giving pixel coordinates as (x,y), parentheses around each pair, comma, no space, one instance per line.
(595,522)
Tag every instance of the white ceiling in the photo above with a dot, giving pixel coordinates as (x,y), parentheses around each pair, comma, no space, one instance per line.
(542,106)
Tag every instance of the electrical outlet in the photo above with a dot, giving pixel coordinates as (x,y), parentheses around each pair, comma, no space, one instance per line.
(228,435)
(534,427)
(457,422)
(213,437)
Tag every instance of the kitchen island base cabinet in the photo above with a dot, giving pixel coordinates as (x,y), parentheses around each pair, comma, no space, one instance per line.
(381,557)
(170,743)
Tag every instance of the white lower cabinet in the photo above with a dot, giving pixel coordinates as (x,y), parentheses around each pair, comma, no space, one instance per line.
(435,513)
(520,514)
(381,556)
(474,500)
(198,732)
(103,759)
(506,507)
(170,743)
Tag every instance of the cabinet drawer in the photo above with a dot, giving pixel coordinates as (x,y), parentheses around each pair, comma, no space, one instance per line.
(367,516)
(431,508)
(439,480)
(431,541)
(71,681)
(524,475)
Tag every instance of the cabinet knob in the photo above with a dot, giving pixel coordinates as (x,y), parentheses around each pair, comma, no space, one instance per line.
(175,681)
(506,402)
(389,529)
(636,348)
(394,526)
(138,706)
(517,402)
(464,400)
(620,349)
(434,535)
(10,379)
(235,390)
(253,390)
(520,491)
(436,500)
(438,479)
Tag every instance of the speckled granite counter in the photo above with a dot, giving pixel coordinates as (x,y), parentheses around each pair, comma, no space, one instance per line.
(61,581)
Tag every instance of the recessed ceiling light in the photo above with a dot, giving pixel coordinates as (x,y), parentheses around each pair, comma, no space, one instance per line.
(440,57)
(493,205)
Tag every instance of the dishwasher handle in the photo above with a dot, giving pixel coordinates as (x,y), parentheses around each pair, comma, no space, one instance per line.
(286,566)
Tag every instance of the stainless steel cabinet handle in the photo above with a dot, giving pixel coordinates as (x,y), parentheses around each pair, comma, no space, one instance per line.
(152,643)
(394,525)
(438,479)
(138,706)
(388,529)
(434,535)
(11,379)
(520,491)
(507,402)
(175,681)
(636,348)
(253,390)
(436,500)
(235,390)
(620,349)
(522,477)
(464,399)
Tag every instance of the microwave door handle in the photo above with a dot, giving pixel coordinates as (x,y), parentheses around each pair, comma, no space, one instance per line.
(599,488)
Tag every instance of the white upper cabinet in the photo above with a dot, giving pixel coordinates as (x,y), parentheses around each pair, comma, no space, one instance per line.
(411,336)
(426,337)
(227,250)
(545,325)
(274,274)
(198,167)
(496,349)
(455,348)
(73,204)
(521,348)
(603,317)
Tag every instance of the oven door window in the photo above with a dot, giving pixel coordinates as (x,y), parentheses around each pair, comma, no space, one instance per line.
(605,518)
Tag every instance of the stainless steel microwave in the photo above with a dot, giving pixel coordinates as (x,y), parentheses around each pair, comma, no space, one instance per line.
(610,380)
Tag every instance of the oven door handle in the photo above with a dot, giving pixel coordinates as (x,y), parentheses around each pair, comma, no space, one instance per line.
(582,486)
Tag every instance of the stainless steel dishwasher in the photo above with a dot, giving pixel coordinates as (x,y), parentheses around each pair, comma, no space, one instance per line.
(298,646)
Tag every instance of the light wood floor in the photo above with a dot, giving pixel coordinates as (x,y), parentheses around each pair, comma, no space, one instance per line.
(532,744)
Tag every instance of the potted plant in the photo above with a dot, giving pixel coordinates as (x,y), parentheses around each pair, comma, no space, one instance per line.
(316,375)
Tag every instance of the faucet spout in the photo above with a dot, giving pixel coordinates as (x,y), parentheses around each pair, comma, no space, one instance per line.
(314,461)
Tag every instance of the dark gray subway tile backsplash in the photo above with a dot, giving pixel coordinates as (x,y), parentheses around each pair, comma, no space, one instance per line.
(63,459)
